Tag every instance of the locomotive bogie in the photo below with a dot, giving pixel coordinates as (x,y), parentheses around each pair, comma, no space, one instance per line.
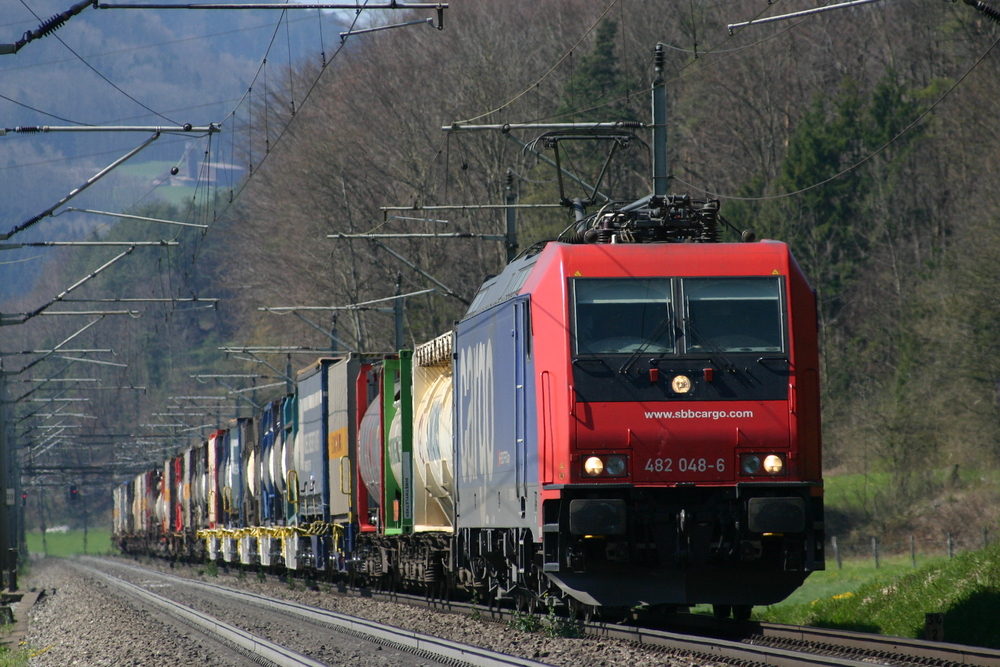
(683,542)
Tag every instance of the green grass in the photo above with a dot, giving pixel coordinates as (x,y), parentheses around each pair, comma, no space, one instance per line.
(893,599)
(69,543)
(15,657)
(849,490)
(832,583)
(856,489)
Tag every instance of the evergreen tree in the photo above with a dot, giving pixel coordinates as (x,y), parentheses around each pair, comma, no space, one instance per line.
(597,79)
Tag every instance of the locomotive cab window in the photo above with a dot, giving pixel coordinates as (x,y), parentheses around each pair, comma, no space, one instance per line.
(622,315)
(733,315)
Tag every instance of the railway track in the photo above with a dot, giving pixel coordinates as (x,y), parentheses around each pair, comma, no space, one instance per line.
(785,645)
(245,643)
(766,643)
(424,646)
(889,649)
(702,638)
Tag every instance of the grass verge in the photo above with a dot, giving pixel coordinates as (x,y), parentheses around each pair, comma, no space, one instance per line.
(15,657)
(893,599)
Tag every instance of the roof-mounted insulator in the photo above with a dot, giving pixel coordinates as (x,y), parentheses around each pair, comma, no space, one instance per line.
(990,12)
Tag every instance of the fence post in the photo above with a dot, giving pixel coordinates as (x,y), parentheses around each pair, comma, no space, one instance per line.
(913,550)
(951,546)
(875,551)
(986,536)
(836,552)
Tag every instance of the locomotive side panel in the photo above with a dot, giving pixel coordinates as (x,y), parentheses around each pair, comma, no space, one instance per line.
(496,450)
(805,417)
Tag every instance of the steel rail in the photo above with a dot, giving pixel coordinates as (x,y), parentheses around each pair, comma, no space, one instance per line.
(257,646)
(700,636)
(359,6)
(406,640)
(916,648)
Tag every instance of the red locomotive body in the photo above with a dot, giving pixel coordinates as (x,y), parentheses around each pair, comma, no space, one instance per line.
(677,407)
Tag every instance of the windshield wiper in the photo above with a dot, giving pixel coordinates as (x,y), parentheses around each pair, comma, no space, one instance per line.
(661,328)
(713,349)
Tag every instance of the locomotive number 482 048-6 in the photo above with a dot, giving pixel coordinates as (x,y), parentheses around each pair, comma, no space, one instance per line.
(684,464)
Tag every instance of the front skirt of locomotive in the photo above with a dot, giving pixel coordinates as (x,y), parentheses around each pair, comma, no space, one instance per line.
(744,545)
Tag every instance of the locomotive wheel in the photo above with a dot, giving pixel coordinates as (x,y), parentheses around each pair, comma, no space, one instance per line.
(741,612)
(722,611)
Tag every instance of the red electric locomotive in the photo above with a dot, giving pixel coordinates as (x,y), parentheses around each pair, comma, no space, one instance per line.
(628,419)
(638,422)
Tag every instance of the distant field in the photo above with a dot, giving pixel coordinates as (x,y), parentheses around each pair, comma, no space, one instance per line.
(70,543)
(147,172)
(843,492)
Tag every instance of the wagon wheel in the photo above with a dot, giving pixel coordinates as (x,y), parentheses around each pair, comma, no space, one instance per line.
(525,601)
(580,611)
(479,569)
(493,592)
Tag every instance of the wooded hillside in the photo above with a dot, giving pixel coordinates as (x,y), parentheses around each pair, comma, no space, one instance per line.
(866,138)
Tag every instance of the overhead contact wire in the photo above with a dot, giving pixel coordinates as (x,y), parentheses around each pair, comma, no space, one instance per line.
(243,184)
(291,76)
(37,110)
(549,71)
(626,97)
(102,76)
(916,121)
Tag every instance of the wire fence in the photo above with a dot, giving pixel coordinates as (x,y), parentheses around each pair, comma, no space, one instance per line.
(912,548)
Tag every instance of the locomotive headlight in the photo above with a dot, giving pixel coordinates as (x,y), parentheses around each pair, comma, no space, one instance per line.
(615,466)
(773,464)
(593,466)
(681,384)
(762,464)
(750,464)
